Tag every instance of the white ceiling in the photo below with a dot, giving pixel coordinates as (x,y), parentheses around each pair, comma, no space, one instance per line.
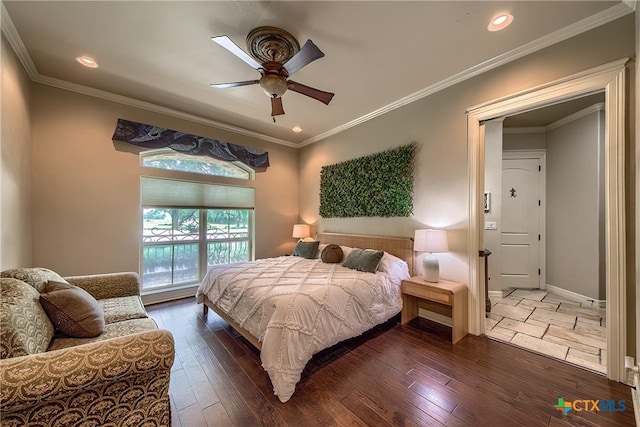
(379,55)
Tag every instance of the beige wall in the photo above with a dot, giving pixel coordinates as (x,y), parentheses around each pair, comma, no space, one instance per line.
(523,141)
(440,182)
(574,199)
(493,143)
(15,172)
(86,201)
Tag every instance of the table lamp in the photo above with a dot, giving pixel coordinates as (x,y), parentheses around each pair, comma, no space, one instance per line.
(432,241)
(301,231)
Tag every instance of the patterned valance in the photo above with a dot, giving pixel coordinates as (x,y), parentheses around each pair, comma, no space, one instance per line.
(149,136)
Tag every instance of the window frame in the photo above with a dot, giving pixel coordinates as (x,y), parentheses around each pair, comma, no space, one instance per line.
(148,153)
(202,242)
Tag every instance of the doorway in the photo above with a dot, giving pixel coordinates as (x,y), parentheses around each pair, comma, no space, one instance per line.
(608,78)
(547,296)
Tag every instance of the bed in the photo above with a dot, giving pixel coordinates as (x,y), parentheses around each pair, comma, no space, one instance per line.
(290,307)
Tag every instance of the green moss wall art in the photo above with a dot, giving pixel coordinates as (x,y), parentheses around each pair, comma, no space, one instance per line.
(380,185)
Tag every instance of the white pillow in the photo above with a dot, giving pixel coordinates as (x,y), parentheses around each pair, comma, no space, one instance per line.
(395,267)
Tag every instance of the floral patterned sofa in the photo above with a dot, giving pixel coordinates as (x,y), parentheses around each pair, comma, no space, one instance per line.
(118,378)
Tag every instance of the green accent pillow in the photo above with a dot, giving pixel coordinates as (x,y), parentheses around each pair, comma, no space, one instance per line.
(306,250)
(366,260)
(72,310)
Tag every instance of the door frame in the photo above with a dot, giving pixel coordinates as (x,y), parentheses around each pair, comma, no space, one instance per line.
(540,155)
(609,78)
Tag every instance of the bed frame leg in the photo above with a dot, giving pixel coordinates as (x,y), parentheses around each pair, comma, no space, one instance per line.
(205,309)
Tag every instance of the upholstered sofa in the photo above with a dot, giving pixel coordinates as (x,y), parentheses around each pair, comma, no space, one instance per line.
(118,378)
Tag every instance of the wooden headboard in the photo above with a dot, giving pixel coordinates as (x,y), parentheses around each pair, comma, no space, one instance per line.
(402,247)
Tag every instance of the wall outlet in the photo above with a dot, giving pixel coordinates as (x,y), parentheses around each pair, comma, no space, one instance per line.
(490,225)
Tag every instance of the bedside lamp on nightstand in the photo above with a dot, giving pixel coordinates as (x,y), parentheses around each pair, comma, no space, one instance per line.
(432,241)
(301,231)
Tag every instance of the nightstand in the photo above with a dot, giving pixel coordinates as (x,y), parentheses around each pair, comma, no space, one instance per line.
(444,297)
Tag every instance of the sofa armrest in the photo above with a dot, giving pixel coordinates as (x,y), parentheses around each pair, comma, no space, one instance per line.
(120,381)
(111,285)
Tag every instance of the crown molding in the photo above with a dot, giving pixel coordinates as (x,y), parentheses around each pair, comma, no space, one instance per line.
(20,49)
(524,130)
(608,15)
(565,33)
(575,116)
(143,105)
(10,32)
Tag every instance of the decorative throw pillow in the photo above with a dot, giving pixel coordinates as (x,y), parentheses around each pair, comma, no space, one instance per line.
(306,249)
(366,260)
(332,254)
(24,326)
(34,276)
(72,310)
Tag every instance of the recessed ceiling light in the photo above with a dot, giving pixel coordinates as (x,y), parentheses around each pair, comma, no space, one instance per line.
(500,22)
(297,129)
(87,61)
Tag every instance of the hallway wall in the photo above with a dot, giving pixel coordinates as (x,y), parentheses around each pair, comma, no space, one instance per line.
(575,203)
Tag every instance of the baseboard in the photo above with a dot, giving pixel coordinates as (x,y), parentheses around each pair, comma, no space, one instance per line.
(635,398)
(156,297)
(633,379)
(573,295)
(496,294)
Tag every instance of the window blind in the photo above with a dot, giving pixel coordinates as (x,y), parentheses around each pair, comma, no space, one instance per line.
(175,193)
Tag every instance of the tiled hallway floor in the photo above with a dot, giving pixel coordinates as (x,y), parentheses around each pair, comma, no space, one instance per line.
(552,325)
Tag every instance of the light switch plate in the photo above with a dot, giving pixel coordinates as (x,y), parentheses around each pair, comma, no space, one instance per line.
(490,225)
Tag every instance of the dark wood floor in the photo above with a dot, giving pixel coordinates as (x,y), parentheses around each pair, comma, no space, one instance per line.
(397,375)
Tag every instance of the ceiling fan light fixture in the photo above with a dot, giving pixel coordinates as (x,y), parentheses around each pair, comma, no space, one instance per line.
(280,57)
(500,22)
(273,85)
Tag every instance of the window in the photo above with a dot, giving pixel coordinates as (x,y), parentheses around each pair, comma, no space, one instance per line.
(189,226)
(171,246)
(227,236)
(172,160)
(178,242)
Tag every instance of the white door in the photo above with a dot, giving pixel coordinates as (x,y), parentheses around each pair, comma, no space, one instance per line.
(520,231)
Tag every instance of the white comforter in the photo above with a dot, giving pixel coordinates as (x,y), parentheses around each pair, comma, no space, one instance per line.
(297,307)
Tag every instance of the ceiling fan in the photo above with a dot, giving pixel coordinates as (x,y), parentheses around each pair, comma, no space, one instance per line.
(277,55)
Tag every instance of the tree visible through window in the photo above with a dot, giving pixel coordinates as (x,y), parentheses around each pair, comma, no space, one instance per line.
(178,244)
(171,160)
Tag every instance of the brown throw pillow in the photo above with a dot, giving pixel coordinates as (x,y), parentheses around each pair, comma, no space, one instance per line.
(332,254)
(72,310)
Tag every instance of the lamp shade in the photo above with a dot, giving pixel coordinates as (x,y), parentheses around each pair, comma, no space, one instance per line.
(300,231)
(430,241)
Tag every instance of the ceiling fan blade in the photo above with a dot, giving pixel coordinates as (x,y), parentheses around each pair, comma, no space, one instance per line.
(318,94)
(228,44)
(309,53)
(234,84)
(276,107)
